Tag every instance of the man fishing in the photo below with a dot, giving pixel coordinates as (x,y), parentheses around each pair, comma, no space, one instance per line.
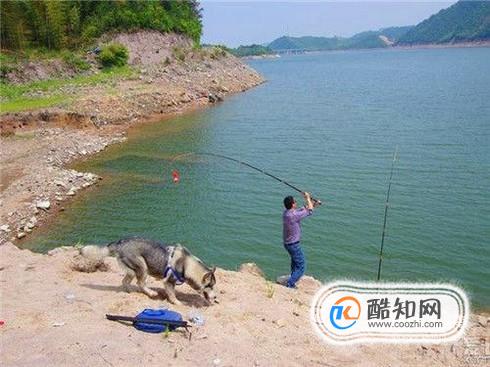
(291,219)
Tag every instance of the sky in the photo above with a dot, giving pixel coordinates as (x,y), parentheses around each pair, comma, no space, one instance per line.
(238,22)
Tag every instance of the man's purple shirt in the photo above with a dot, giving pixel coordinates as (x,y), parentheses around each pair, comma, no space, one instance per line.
(291,224)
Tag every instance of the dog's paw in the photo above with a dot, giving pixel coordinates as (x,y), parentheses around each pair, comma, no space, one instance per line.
(150,293)
(153,294)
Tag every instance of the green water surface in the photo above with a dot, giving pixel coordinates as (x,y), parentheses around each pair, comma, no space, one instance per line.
(328,123)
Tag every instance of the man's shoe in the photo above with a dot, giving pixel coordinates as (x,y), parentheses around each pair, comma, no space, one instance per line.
(282,280)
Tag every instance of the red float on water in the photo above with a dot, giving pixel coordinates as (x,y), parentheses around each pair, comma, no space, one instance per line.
(175,176)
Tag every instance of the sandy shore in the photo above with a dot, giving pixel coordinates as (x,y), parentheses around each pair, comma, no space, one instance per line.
(55,316)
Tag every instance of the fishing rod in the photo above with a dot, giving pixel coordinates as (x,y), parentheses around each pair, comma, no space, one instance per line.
(386,214)
(318,202)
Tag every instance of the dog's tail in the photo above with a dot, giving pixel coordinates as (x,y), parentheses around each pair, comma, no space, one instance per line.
(96,253)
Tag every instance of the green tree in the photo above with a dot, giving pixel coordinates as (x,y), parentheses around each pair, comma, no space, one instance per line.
(12,27)
(58,24)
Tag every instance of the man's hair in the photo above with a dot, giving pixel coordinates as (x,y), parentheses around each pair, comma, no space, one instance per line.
(288,202)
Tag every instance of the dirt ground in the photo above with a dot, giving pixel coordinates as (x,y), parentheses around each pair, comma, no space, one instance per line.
(55,316)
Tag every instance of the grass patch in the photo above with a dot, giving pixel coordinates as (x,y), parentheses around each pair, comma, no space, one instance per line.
(9,60)
(8,63)
(75,61)
(269,290)
(23,104)
(16,98)
(218,52)
(7,57)
(24,135)
(10,91)
(41,54)
(179,53)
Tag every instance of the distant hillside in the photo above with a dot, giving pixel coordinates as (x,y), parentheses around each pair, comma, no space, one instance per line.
(308,43)
(464,21)
(251,50)
(370,39)
(285,43)
(395,33)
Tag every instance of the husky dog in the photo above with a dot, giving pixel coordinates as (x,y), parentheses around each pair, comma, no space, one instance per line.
(173,264)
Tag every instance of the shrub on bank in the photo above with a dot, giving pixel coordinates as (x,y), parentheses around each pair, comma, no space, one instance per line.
(218,52)
(179,53)
(114,54)
(75,61)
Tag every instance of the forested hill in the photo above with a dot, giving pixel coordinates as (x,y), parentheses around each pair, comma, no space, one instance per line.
(308,43)
(370,39)
(465,21)
(55,24)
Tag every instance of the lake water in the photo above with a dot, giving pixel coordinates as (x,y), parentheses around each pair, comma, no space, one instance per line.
(328,123)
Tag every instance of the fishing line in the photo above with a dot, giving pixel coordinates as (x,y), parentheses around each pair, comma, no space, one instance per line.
(318,202)
(386,214)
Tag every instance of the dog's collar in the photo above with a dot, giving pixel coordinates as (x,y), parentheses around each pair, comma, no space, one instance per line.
(179,278)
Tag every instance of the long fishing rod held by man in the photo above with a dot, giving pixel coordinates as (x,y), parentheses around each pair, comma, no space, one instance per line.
(316,202)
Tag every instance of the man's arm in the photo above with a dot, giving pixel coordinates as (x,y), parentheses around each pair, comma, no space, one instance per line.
(308,202)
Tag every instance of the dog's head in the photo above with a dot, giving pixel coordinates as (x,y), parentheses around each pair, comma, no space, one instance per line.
(208,282)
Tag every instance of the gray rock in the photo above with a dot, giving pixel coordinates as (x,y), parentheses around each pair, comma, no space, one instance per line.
(21,235)
(43,204)
(212,98)
(60,183)
(280,323)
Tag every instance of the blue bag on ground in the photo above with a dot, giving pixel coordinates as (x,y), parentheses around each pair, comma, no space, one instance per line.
(160,315)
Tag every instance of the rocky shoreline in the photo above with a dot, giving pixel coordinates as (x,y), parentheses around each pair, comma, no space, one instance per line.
(35,182)
(37,146)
